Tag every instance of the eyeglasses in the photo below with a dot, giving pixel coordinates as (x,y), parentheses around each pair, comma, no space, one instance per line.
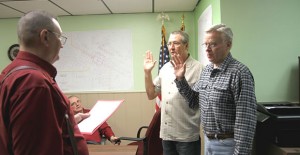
(210,45)
(175,43)
(62,38)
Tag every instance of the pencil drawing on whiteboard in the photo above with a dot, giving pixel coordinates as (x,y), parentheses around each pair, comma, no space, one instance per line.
(96,61)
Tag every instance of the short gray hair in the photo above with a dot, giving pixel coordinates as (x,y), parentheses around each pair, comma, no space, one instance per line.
(223,29)
(31,23)
(184,36)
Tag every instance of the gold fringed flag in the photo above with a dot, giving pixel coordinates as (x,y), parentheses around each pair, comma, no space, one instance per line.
(164,52)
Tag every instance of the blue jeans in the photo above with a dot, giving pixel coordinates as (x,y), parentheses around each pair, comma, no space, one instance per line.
(218,146)
(181,148)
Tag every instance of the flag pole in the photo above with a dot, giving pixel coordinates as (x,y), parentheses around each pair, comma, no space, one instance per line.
(162,17)
(164,52)
(163,33)
(182,23)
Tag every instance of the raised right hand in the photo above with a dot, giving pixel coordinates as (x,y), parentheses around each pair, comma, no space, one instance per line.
(179,67)
(149,63)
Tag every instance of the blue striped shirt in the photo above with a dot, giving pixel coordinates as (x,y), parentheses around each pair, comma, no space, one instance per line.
(227,101)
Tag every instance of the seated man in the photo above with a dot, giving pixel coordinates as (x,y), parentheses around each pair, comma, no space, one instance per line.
(104,129)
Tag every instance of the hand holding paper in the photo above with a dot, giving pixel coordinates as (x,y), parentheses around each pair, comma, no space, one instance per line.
(81,116)
(101,111)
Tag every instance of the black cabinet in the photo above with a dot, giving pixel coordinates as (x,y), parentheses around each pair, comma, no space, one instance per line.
(279,123)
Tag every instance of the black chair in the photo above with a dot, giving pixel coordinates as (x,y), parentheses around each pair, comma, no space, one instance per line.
(150,144)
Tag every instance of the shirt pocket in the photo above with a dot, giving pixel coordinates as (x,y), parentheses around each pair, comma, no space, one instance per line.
(221,93)
(204,86)
(221,87)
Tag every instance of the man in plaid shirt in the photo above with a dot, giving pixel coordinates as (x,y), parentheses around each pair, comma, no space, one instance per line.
(226,95)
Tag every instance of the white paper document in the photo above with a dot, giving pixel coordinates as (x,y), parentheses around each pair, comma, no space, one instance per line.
(101,111)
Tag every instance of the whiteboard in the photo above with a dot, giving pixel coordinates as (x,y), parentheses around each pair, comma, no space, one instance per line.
(99,60)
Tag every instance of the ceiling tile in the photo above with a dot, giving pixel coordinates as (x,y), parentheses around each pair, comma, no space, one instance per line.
(15,8)
(174,5)
(83,7)
(26,6)
(7,12)
(129,6)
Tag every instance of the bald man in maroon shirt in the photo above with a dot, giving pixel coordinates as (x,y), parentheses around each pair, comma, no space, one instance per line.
(35,116)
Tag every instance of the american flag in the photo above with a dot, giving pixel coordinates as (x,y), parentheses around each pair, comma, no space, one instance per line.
(163,58)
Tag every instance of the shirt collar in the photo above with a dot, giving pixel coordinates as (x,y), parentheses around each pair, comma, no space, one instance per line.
(223,65)
(37,62)
(188,61)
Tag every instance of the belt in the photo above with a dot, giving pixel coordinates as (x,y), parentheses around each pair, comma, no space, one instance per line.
(219,135)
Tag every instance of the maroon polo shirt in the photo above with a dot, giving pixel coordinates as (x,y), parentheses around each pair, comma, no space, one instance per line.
(32,111)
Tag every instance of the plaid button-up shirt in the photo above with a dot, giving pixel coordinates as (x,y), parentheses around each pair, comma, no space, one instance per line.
(227,101)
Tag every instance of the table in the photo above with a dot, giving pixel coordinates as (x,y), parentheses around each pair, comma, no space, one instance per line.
(276,150)
(268,148)
(112,149)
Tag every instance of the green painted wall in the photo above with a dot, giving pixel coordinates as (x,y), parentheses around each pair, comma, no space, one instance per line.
(8,36)
(266,39)
(146,34)
(215,4)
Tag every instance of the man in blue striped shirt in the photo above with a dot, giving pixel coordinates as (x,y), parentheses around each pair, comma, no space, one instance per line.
(226,96)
